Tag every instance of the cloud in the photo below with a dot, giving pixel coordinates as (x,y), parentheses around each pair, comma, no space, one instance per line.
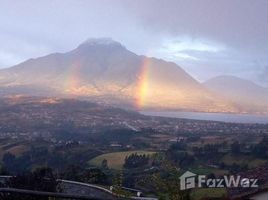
(186,48)
(186,43)
(15,50)
(8,59)
(206,38)
(264,75)
(236,23)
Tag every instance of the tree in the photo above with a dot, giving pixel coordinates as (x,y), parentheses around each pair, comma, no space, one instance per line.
(95,176)
(135,160)
(167,183)
(117,186)
(235,147)
(9,161)
(42,179)
(260,150)
(73,172)
(104,164)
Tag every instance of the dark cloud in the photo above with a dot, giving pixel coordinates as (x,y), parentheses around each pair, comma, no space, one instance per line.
(241,26)
(206,37)
(240,23)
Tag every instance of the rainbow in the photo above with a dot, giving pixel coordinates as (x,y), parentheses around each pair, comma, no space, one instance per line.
(142,86)
(73,79)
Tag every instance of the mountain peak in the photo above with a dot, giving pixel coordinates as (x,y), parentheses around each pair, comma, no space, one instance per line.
(100,41)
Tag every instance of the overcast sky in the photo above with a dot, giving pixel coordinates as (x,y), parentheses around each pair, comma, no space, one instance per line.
(205,37)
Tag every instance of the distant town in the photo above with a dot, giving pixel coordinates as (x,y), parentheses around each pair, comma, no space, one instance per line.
(69,134)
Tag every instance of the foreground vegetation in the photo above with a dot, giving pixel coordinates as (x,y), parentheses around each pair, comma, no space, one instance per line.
(111,147)
(116,160)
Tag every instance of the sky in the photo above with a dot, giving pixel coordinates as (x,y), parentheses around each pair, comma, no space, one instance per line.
(207,38)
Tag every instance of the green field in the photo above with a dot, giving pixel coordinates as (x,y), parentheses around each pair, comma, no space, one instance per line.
(209,170)
(116,160)
(201,193)
(15,149)
(243,159)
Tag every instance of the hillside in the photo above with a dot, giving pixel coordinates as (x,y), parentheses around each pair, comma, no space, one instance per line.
(105,71)
(246,94)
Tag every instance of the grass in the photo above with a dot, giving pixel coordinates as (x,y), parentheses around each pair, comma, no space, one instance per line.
(209,170)
(116,160)
(243,159)
(201,193)
(16,150)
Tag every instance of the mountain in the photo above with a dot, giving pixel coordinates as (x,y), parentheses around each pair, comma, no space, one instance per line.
(105,71)
(249,96)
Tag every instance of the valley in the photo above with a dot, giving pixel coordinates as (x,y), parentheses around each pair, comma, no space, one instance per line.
(97,142)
